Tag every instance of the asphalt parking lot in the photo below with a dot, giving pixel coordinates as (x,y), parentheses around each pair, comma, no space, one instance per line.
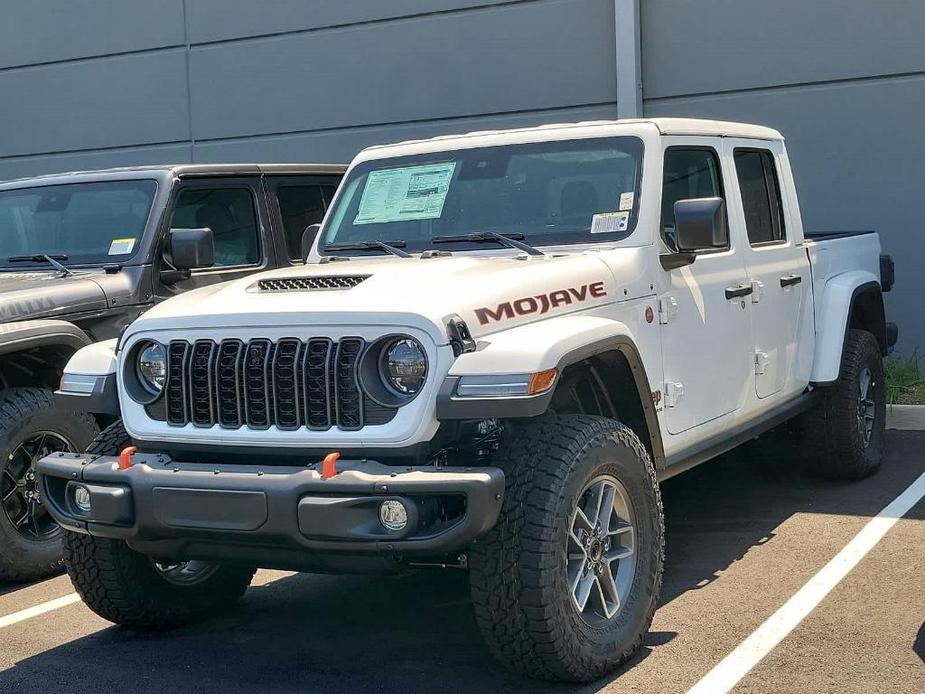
(745,533)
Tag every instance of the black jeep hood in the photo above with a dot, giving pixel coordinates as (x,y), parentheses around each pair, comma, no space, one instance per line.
(25,295)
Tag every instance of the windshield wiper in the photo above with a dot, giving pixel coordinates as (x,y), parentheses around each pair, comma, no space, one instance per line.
(52,260)
(509,240)
(391,247)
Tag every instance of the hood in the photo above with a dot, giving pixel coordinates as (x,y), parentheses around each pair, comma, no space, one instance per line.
(489,292)
(40,294)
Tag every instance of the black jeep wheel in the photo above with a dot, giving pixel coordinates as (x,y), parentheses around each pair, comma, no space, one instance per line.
(143,592)
(845,430)
(566,584)
(32,425)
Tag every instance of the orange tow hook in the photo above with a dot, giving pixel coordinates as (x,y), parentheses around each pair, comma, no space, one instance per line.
(329,465)
(125,457)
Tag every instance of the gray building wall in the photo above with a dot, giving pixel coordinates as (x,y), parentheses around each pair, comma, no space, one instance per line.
(112,82)
(117,82)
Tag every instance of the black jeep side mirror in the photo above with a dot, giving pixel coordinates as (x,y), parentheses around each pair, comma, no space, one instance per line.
(700,224)
(192,248)
(308,239)
(188,249)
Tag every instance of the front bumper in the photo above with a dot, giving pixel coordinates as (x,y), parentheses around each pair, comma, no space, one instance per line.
(272,516)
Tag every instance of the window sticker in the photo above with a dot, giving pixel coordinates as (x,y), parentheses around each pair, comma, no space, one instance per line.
(121,246)
(626,201)
(609,222)
(408,193)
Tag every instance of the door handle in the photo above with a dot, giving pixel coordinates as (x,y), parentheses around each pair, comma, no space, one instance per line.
(739,291)
(790,280)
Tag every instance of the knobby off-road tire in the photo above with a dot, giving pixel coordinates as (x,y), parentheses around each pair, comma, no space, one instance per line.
(519,576)
(844,431)
(129,589)
(32,423)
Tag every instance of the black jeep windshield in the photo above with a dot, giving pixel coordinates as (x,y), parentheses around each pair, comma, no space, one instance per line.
(80,223)
(574,191)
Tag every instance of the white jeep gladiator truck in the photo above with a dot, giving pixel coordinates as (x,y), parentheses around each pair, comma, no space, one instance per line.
(499,346)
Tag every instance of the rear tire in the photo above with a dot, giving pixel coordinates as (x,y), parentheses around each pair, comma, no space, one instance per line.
(32,423)
(133,590)
(525,572)
(845,431)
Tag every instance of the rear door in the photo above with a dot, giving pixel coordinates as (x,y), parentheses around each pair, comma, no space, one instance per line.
(706,341)
(297,202)
(778,268)
(235,209)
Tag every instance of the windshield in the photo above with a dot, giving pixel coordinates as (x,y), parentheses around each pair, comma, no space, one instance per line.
(79,223)
(575,191)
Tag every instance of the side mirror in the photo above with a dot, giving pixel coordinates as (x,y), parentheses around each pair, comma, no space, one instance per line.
(192,248)
(308,239)
(700,224)
(188,249)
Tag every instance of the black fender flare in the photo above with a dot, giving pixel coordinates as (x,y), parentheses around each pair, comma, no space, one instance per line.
(21,335)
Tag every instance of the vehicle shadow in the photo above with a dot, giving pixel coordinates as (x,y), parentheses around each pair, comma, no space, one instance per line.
(418,634)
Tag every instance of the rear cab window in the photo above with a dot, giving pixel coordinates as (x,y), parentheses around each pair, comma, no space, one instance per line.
(760,191)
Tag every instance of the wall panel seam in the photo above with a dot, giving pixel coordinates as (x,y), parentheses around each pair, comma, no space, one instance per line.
(886,77)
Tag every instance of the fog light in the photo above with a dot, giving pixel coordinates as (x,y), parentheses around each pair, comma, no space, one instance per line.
(393,515)
(82,498)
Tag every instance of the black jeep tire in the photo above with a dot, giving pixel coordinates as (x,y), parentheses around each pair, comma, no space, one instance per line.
(520,571)
(843,442)
(128,588)
(32,420)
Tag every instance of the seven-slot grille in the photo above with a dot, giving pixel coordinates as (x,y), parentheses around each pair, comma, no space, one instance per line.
(290,384)
(296,284)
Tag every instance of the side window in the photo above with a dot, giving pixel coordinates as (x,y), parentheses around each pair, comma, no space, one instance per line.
(229,213)
(299,207)
(764,219)
(690,172)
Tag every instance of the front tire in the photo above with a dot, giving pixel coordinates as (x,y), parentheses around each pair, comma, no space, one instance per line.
(846,429)
(134,590)
(536,577)
(33,423)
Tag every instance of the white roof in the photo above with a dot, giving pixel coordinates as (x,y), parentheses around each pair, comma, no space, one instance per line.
(602,128)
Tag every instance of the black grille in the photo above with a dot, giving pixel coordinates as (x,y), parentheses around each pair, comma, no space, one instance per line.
(289,384)
(302,284)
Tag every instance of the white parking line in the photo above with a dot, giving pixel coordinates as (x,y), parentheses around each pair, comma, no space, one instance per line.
(39,609)
(762,641)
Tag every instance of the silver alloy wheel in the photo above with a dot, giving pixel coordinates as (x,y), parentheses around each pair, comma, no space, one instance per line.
(20,497)
(185,573)
(867,408)
(601,550)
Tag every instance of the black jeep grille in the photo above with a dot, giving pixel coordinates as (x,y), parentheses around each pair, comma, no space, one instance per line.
(290,384)
(301,284)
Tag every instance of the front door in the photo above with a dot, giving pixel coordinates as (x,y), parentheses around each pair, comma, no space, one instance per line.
(778,269)
(233,209)
(706,339)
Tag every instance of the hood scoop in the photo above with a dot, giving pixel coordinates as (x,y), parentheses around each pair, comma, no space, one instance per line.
(308,284)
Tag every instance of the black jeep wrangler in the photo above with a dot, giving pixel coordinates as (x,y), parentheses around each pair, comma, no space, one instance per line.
(82,255)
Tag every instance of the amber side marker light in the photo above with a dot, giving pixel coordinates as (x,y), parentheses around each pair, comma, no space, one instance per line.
(542,381)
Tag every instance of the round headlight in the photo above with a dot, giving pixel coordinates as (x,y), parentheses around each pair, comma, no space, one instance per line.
(404,365)
(152,367)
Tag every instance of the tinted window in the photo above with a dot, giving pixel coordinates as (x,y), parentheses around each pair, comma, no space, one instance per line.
(577,191)
(689,173)
(87,222)
(760,196)
(299,207)
(229,213)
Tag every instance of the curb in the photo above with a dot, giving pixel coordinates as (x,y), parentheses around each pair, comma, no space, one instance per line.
(909,417)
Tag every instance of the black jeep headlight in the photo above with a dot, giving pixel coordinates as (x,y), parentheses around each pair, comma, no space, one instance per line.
(151,367)
(403,365)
